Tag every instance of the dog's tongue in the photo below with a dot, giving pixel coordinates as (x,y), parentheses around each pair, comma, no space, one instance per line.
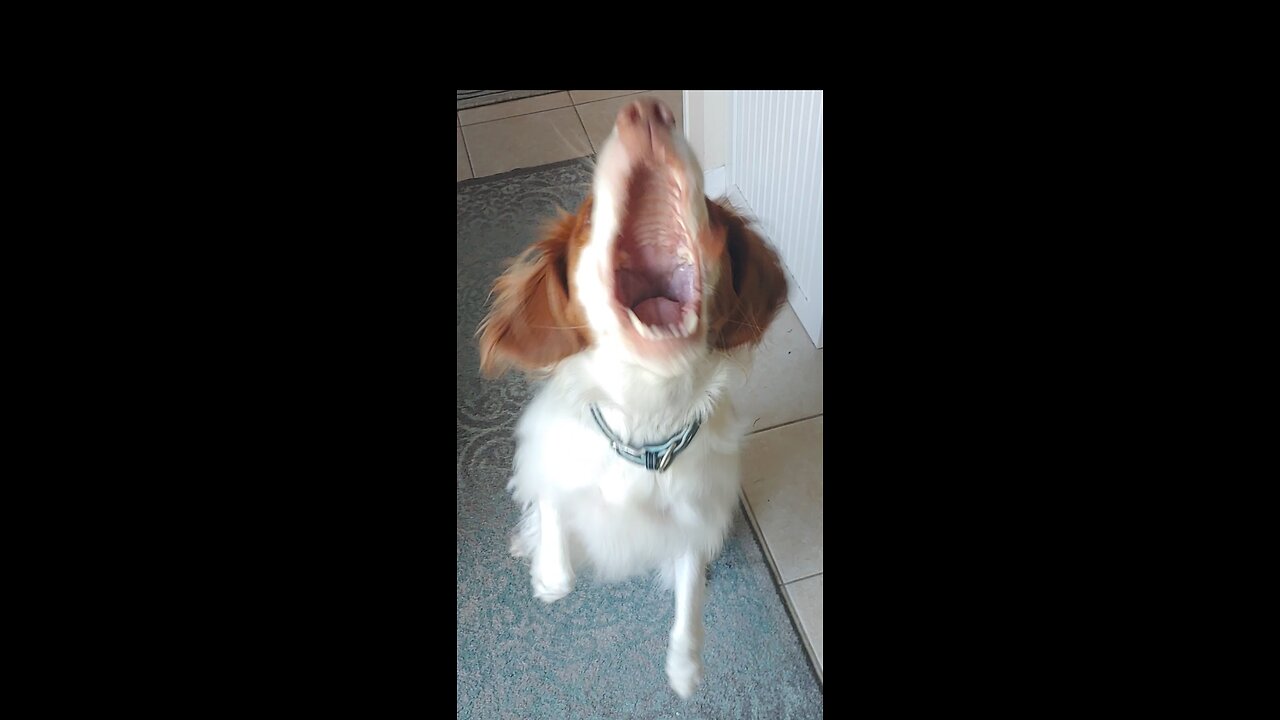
(658,311)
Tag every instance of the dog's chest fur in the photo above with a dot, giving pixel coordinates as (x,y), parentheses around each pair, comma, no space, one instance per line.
(622,518)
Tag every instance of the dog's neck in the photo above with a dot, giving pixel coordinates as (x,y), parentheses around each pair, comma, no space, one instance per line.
(642,406)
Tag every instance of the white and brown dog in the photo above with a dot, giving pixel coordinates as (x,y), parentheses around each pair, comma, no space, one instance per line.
(627,459)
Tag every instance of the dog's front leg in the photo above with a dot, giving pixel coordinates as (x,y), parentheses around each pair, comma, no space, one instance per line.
(552,571)
(684,656)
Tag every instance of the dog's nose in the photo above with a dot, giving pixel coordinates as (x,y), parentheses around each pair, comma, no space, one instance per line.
(647,110)
(645,126)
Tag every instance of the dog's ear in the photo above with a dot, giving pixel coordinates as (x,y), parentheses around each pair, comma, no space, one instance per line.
(534,321)
(752,284)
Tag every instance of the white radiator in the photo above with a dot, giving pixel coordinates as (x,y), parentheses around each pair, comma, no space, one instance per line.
(775,167)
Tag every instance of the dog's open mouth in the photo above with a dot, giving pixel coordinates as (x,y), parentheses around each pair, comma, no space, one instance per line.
(656,278)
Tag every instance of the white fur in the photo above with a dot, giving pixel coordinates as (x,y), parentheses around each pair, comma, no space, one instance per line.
(587,507)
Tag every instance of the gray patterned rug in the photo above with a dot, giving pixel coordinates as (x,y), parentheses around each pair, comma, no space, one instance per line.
(599,652)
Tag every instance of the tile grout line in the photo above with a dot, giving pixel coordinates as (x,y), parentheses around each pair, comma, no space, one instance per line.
(590,143)
(615,97)
(804,636)
(808,641)
(780,587)
(591,151)
(782,425)
(755,524)
(764,542)
(779,584)
(804,629)
(509,117)
(467,147)
(535,112)
(806,577)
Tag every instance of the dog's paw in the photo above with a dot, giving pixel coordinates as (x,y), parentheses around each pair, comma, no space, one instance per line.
(550,586)
(685,674)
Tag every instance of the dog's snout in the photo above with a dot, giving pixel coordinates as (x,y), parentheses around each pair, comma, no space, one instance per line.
(644,127)
(646,111)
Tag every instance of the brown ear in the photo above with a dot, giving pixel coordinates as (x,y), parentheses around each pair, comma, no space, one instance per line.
(752,284)
(534,322)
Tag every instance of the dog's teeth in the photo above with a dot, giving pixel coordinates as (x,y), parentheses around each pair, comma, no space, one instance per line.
(684,255)
(635,322)
(684,328)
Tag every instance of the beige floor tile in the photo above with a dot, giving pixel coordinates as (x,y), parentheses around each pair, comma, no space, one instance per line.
(806,598)
(525,141)
(598,117)
(464,165)
(784,376)
(782,480)
(523,106)
(586,96)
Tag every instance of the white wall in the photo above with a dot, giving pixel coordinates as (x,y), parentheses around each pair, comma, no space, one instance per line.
(764,150)
(706,121)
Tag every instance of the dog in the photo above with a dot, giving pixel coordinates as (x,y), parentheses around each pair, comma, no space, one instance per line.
(632,310)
